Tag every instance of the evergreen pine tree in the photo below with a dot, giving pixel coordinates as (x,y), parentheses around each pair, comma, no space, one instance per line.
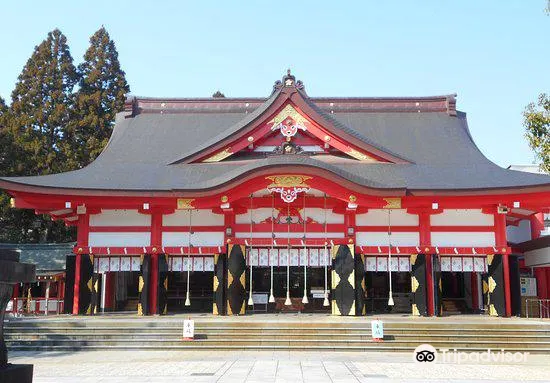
(38,138)
(102,93)
(41,107)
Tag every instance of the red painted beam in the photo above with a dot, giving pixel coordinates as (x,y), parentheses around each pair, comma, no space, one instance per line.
(120,229)
(76,296)
(542,282)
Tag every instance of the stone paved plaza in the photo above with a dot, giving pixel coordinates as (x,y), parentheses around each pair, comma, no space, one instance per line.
(266,366)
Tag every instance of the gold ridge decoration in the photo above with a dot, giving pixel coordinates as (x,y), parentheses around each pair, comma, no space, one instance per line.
(185,203)
(289,111)
(392,203)
(288,186)
(219,156)
(288,181)
(360,156)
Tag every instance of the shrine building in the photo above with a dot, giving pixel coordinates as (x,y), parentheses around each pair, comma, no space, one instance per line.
(347,206)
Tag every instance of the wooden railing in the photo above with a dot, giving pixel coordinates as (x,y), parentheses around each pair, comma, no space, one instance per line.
(35,306)
(537,306)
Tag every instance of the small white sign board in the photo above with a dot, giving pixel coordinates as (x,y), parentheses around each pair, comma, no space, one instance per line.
(188,329)
(377,328)
(260,298)
(528,287)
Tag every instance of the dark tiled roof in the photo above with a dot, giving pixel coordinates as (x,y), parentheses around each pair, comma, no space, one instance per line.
(145,147)
(46,257)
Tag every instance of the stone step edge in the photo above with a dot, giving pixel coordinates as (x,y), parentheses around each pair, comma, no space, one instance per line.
(201,341)
(9,335)
(377,347)
(79,328)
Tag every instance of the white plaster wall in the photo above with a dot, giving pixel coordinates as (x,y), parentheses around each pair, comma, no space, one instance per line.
(379,217)
(519,233)
(462,217)
(289,235)
(318,215)
(464,239)
(200,218)
(197,239)
(258,215)
(97,239)
(120,217)
(382,239)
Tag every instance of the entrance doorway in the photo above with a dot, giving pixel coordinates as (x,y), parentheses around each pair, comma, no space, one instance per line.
(200,291)
(315,288)
(461,292)
(118,290)
(378,290)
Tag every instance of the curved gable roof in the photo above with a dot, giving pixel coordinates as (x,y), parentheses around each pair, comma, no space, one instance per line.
(149,147)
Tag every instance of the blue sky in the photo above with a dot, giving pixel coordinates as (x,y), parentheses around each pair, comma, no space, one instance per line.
(493,54)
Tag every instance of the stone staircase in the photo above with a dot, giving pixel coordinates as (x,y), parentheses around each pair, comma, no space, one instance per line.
(221,334)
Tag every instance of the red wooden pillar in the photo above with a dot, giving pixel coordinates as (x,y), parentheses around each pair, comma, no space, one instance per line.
(15,293)
(76,295)
(228,222)
(500,241)
(156,243)
(547,279)
(425,241)
(542,282)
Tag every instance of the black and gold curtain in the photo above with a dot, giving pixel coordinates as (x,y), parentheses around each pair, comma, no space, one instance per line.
(418,285)
(360,286)
(70,265)
(162,289)
(96,293)
(495,285)
(220,277)
(236,280)
(86,284)
(343,280)
(143,285)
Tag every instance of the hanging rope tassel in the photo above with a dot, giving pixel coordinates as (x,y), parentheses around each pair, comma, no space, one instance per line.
(288,302)
(271,296)
(326,302)
(250,300)
(304,299)
(390,299)
(187,295)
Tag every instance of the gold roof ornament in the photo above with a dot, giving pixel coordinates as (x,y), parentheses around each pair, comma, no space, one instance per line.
(289,111)
(288,181)
(392,203)
(185,203)
(360,156)
(219,156)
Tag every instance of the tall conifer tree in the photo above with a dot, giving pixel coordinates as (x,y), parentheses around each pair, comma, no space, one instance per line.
(39,135)
(41,107)
(101,95)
